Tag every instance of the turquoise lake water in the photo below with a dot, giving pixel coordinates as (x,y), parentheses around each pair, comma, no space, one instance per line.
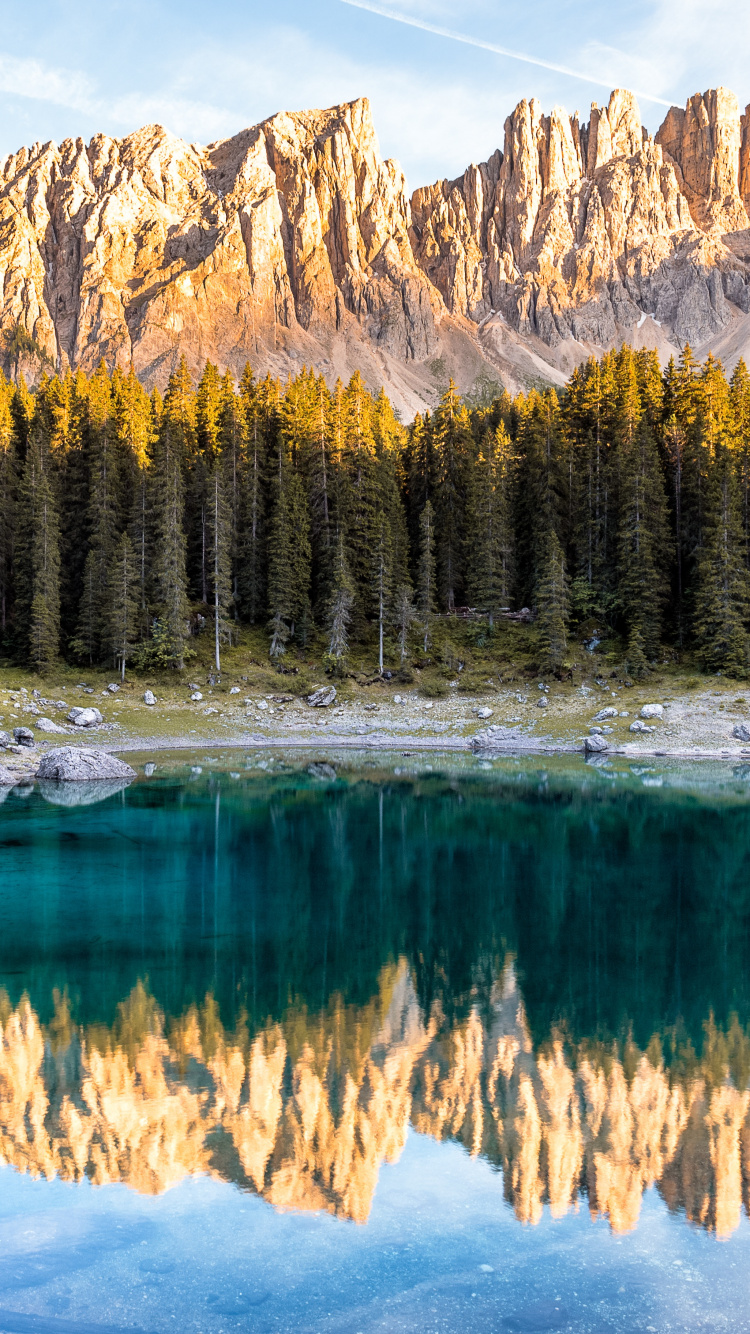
(299,1043)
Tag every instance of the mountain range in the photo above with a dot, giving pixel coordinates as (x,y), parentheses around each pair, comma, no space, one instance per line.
(295,243)
(306,1113)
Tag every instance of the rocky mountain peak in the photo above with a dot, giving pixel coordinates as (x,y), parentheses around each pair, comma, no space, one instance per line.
(704,141)
(294,242)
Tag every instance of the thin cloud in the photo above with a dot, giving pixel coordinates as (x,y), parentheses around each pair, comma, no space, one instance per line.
(69,88)
(491,46)
(30,78)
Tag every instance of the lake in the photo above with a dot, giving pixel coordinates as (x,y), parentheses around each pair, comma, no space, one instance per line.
(365,1043)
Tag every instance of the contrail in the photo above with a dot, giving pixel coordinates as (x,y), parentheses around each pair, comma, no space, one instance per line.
(490,46)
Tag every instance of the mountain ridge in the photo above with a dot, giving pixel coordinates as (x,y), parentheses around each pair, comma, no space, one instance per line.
(294,242)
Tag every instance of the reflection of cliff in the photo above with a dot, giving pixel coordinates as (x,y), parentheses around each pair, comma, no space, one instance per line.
(306,1111)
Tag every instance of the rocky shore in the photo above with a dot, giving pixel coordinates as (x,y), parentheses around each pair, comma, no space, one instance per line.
(701,718)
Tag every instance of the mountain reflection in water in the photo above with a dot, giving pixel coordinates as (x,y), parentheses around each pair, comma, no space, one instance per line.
(268,981)
(305,1112)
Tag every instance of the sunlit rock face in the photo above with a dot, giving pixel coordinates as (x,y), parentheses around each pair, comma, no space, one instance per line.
(305,1112)
(578,232)
(294,242)
(285,244)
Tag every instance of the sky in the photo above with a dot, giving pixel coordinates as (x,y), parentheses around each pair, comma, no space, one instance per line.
(441,76)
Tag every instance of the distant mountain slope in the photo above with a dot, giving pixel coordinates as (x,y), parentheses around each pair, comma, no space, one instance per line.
(295,242)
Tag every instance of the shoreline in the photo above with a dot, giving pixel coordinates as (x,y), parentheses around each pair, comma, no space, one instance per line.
(686,721)
(427,745)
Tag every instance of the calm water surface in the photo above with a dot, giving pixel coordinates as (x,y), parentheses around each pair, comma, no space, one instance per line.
(293,1044)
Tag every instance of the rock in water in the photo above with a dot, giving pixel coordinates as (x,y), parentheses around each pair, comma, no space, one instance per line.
(84,717)
(47,725)
(595,744)
(322,697)
(494,737)
(741,732)
(149,697)
(80,765)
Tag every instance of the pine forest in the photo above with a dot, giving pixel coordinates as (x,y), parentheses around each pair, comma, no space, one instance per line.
(133,527)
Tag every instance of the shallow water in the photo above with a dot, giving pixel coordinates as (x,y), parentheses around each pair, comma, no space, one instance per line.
(292,1043)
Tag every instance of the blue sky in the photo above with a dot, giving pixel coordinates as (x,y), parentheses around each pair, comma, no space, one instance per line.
(75,67)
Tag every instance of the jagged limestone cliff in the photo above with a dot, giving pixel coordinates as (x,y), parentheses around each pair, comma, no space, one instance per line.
(295,242)
(588,233)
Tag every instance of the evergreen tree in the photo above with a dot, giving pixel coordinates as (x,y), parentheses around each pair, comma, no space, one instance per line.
(722,603)
(340,607)
(169,558)
(427,578)
(135,424)
(230,445)
(406,615)
(288,556)
(644,547)
(219,544)
(419,469)
(200,463)
(383,579)
(490,524)
(38,580)
(552,604)
(124,610)
(542,501)
(451,434)
(589,413)
(739,433)
(256,408)
(8,498)
(358,506)
(104,515)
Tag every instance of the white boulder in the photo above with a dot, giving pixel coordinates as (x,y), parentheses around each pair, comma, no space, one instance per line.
(47,725)
(80,765)
(652,711)
(323,697)
(81,717)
